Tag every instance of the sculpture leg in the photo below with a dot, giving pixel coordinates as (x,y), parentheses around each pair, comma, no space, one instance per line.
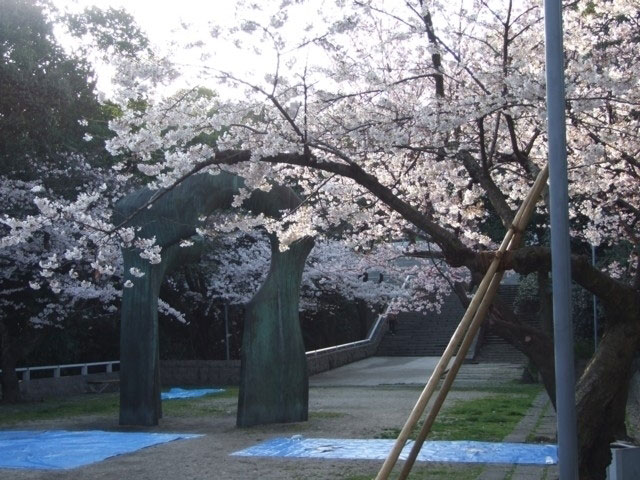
(139,348)
(274,380)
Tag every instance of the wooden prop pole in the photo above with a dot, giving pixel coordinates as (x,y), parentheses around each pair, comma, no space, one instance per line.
(462,331)
(451,375)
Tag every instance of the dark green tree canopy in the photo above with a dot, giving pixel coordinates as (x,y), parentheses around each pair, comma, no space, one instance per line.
(112,30)
(45,91)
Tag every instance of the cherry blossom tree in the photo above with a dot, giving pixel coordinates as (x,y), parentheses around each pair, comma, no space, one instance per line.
(428,119)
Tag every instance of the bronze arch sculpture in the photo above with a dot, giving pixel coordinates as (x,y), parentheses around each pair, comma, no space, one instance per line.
(274,379)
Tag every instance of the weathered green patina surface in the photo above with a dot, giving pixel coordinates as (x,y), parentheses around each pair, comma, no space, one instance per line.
(274,384)
(274,381)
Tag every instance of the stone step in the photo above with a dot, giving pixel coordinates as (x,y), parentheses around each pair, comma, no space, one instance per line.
(418,334)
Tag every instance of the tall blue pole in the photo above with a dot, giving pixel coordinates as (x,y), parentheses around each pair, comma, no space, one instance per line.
(560,248)
(595,304)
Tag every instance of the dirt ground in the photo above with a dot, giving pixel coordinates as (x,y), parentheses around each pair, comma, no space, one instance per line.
(335,412)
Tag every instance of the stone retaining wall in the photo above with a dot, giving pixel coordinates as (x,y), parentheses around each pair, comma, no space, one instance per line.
(199,372)
(195,372)
(37,389)
(221,372)
(324,361)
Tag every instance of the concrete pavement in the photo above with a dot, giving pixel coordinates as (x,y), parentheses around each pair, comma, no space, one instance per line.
(376,371)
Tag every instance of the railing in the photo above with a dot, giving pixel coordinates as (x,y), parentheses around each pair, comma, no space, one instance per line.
(84,368)
(108,366)
(373,334)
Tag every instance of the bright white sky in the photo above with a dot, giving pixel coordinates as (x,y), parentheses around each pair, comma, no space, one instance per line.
(159,17)
(164,21)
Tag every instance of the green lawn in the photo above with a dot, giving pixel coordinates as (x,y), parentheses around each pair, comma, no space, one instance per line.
(489,418)
(107,404)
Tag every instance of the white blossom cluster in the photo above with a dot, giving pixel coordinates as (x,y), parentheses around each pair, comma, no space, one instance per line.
(383,276)
(369,110)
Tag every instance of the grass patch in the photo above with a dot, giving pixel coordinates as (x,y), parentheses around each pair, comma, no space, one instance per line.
(431,472)
(60,408)
(326,414)
(107,404)
(488,419)
(514,387)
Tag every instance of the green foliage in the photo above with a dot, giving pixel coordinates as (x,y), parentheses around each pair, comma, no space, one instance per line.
(112,30)
(338,320)
(84,337)
(44,91)
(492,225)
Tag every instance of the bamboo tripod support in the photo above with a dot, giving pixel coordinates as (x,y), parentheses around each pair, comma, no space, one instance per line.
(465,332)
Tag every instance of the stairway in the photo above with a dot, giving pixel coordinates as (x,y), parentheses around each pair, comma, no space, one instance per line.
(496,350)
(422,335)
(418,334)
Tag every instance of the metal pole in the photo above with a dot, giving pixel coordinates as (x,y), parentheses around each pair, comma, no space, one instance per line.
(595,304)
(226,329)
(560,248)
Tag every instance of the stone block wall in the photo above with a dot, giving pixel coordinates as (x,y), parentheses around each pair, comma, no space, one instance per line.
(199,372)
(195,372)
(39,388)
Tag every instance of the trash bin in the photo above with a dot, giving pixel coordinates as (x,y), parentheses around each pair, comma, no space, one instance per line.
(625,464)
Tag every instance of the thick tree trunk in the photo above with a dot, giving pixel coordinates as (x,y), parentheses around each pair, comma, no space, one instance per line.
(533,342)
(545,312)
(274,381)
(8,363)
(601,397)
(601,392)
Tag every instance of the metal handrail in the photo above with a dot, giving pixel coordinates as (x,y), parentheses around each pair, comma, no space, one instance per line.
(84,368)
(373,332)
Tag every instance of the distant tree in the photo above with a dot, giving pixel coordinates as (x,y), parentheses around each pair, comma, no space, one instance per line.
(46,94)
(49,116)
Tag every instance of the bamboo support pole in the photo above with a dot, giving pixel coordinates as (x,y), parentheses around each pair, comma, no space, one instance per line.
(461,333)
(451,375)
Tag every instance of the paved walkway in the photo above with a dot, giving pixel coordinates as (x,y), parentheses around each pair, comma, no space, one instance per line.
(375,371)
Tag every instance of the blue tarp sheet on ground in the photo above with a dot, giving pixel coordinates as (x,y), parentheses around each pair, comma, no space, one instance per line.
(62,449)
(436,451)
(182,393)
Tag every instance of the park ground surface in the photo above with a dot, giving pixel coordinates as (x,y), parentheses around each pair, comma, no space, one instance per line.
(369,399)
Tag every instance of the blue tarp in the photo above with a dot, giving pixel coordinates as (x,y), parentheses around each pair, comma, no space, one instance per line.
(61,449)
(182,393)
(435,451)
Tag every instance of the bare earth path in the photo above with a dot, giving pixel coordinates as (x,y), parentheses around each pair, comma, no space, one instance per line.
(341,406)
